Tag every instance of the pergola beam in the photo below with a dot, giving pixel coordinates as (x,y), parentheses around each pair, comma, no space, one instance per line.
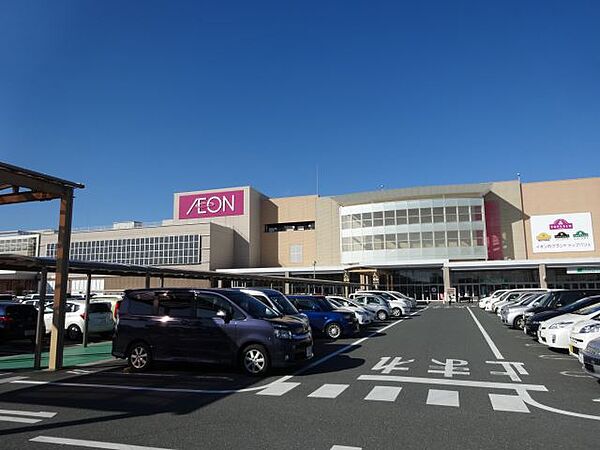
(23,197)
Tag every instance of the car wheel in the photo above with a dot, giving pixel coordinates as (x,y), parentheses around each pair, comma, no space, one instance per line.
(382,315)
(139,357)
(396,312)
(333,331)
(74,332)
(255,360)
(519,322)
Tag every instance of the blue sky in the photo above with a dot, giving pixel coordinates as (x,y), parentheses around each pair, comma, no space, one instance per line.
(138,100)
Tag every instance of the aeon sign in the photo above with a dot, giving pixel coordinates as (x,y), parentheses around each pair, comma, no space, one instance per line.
(561,224)
(211,204)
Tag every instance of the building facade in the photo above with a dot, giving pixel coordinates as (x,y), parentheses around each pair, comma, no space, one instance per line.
(422,240)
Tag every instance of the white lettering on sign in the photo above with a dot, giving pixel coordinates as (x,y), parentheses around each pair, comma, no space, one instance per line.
(511,369)
(450,367)
(396,364)
(212,204)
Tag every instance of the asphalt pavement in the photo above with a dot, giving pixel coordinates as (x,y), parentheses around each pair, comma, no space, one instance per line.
(445,377)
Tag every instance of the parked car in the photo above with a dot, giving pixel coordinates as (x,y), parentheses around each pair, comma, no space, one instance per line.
(398,305)
(510,295)
(514,315)
(582,333)
(364,316)
(521,300)
(324,318)
(7,298)
(17,321)
(555,332)
(590,358)
(113,299)
(223,326)
(375,303)
(100,319)
(277,301)
(485,300)
(557,299)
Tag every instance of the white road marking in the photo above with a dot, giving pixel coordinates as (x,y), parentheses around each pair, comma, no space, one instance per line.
(575,374)
(95,363)
(354,344)
(11,379)
(530,401)
(278,389)
(18,419)
(557,357)
(42,414)
(329,391)
(384,393)
(510,403)
(487,337)
(90,444)
(443,398)
(452,382)
(345,447)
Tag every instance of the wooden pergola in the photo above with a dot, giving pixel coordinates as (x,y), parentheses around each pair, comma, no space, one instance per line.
(19,185)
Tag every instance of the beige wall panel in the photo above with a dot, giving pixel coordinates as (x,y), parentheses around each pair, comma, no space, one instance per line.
(565,196)
(507,196)
(327,230)
(276,248)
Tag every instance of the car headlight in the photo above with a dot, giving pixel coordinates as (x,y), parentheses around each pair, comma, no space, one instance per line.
(591,328)
(557,325)
(283,333)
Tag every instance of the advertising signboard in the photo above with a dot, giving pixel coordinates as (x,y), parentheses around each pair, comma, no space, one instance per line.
(556,233)
(211,204)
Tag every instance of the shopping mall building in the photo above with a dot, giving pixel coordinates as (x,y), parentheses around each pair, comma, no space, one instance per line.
(421,240)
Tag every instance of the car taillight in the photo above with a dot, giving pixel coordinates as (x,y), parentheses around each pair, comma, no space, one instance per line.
(83,315)
(117,306)
(6,319)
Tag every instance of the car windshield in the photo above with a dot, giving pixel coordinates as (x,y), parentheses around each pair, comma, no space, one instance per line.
(531,299)
(334,303)
(588,310)
(282,303)
(544,300)
(255,308)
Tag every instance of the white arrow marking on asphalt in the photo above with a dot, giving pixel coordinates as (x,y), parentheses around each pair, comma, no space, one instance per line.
(91,444)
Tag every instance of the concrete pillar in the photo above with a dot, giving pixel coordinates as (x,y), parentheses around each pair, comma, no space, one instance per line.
(447,282)
(147,283)
(219,283)
(86,321)
(286,285)
(543,280)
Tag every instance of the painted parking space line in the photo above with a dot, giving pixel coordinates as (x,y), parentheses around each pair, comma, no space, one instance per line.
(279,389)
(384,393)
(440,397)
(509,403)
(329,391)
(40,414)
(11,379)
(453,382)
(19,419)
(91,444)
(486,336)
(345,447)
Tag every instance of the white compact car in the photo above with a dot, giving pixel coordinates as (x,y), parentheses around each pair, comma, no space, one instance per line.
(555,332)
(378,305)
(485,300)
(398,305)
(100,319)
(363,315)
(582,333)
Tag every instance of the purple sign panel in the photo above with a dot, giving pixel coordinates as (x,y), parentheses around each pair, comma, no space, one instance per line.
(561,224)
(211,204)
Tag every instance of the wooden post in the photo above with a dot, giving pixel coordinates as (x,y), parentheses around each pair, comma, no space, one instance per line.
(86,321)
(40,328)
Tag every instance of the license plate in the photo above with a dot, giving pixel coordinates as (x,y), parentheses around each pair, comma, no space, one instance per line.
(29,333)
(309,352)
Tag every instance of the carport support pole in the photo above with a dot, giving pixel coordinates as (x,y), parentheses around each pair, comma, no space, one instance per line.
(40,328)
(162,281)
(147,281)
(543,280)
(286,285)
(86,320)
(447,282)
(62,277)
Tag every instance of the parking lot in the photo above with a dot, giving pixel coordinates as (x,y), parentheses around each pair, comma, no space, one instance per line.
(446,376)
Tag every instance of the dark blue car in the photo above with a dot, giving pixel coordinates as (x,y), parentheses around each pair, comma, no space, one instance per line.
(324,318)
(207,325)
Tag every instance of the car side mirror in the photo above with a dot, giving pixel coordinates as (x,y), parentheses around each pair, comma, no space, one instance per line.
(224,315)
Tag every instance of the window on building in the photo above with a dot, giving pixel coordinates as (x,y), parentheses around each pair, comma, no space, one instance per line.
(368,242)
(356,243)
(378,242)
(451,214)
(356,221)
(465,238)
(413,215)
(346,244)
(390,242)
(289,226)
(426,216)
(438,215)
(414,240)
(439,238)
(401,217)
(378,219)
(427,239)
(478,239)
(463,214)
(476,215)
(389,218)
(452,238)
(296,253)
(367,220)
(346,222)
(402,240)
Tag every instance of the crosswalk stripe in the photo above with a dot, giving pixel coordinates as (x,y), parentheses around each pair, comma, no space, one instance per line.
(329,391)
(441,397)
(384,393)
(278,389)
(91,444)
(345,447)
(18,419)
(510,403)
(41,414)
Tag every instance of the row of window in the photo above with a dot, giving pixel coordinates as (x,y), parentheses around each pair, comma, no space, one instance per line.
(289,226)
(147,251)
(425,239)
(449,214)
(27,247)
